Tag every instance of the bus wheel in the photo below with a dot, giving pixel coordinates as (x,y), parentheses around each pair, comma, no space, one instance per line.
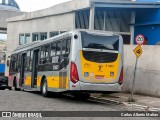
(45,92)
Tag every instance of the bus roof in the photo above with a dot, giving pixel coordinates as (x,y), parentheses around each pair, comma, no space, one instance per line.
(97,32)
(58,37)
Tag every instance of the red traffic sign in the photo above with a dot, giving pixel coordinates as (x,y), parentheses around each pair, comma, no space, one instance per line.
(140,39)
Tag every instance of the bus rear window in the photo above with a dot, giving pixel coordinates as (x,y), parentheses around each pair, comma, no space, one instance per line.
(100,42)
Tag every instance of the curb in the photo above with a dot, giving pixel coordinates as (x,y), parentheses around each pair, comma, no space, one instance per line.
(140,107)
(131,105)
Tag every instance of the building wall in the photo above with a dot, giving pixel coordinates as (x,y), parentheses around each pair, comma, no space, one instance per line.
(147,80)
(66,7)
(46,24)
(63,22)
(4,14)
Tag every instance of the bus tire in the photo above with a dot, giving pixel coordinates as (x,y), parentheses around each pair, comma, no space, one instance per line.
(45,92)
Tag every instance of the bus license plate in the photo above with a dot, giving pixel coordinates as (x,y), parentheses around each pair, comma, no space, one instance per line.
(99,77)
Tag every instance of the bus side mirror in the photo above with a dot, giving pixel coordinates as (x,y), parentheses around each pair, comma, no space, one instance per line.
(7,62)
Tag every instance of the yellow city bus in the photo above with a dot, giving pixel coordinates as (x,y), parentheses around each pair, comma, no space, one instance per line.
(78,62)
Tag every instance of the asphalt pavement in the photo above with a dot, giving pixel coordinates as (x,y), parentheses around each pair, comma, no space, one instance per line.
(11,100)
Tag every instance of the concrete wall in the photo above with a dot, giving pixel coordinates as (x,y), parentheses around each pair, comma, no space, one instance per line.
(147,80)
(4,14)
(62,8)
(46,24)
(63,22)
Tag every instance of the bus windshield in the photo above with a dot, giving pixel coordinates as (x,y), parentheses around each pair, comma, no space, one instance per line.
(100,42)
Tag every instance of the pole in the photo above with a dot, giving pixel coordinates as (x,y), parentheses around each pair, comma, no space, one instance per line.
(134,78)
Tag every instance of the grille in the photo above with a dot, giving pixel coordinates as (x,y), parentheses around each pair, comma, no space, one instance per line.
(100,57)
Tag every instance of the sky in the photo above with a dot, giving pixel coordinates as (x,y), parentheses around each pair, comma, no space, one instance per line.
(3,36)
(33,5)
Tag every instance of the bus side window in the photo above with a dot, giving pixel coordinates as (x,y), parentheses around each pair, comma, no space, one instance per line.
(31,58)
(8,61)
(53,49)
(15,63)
(54,59)
(28,62)
(64,46)
(68,45)
(42,55)
(18,63)
(45,54)
(11,64)
(58,48)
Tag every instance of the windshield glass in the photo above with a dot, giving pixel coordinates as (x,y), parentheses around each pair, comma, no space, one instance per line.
(100,42)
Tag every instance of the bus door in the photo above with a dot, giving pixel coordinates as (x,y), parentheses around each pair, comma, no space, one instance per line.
(34,68)
(22,68)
